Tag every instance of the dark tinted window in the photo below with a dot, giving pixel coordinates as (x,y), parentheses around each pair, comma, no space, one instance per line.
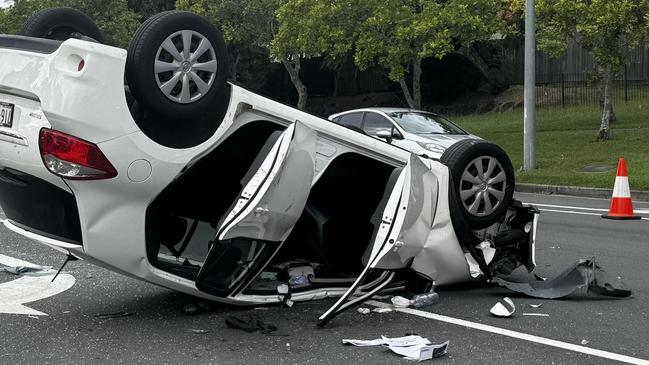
(425,123)
(352,120)
(375,122)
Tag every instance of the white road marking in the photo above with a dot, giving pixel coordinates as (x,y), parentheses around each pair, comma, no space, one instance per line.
(515,334)
(568,207)
(573,212)
(27,289)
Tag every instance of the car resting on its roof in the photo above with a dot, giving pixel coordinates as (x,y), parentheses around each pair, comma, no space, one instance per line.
(182,179)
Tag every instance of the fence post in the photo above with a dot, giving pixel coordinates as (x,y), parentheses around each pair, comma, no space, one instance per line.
(626,87)
(563,90)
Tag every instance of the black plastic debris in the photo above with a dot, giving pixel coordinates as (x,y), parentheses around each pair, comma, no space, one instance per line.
(252,325)
(196,308)
(113,315)
(583,273)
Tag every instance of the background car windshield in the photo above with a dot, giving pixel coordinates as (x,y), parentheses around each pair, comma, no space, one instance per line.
(425,123)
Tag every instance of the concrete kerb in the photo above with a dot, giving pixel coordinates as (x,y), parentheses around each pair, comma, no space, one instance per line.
(577,191)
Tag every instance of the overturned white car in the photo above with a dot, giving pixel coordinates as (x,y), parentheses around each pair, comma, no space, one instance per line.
(187,181)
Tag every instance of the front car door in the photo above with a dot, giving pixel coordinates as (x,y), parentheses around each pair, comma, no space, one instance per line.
(274,194)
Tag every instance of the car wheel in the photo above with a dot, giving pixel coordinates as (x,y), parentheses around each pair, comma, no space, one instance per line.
(177,65)
(60,24)
(482,181)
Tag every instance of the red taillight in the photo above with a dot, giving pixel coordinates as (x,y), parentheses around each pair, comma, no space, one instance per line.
(73,158)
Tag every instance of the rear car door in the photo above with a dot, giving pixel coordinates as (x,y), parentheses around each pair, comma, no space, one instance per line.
(402,223)
(274,194)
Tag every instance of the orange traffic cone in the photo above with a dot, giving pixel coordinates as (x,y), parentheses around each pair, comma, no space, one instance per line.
(621,204)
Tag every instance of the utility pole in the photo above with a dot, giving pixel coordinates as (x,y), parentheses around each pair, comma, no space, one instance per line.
(529,93)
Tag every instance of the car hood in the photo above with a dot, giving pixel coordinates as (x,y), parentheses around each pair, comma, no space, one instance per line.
(444,140)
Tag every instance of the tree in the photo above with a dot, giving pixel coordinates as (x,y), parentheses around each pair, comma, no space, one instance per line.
(608,29)
(113,17)
(146,8)
(250,26)
(395,34)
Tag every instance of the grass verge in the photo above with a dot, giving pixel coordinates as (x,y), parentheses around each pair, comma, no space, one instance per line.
(566,143)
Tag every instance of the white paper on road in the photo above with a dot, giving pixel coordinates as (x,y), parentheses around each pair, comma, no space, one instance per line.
(411,347)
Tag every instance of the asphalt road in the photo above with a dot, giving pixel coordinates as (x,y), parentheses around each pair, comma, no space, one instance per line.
(158,332)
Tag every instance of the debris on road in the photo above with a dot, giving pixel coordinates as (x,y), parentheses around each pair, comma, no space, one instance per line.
(585,342)
(400,302)
(424,300)
(583,273)
(363,310)
(113,315)
(197,331)
(35,270)
(537,314)
(195,308)
(536,305)
(412,347)
(251,325)
(500,310)
(382,310)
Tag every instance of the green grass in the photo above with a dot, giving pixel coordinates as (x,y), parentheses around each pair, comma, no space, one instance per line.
(566,142)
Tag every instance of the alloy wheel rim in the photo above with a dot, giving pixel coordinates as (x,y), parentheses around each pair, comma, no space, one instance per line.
(482,186)
(185,66)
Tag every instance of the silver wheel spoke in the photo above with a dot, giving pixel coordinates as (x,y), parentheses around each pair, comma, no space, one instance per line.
(202,85)
(161,66)
(491,167)
(184,92)
(496,193)
(476,204)
(466,176)
(498,178)
(168,86)
(187,43)
(203,47)
(169,46)
(478,166)
(209,66)
(466,194)
(488,209)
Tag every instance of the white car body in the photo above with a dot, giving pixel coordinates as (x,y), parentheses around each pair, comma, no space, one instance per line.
(48,91)
(416,143)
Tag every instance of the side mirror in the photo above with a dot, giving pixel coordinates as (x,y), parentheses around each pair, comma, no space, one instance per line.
(387,135)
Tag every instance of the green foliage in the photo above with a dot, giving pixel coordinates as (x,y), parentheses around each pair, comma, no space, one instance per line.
(391,33)
(146,8)
(113,17)
(606,28)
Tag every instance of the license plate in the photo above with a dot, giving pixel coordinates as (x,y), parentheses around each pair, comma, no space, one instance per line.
(6,114)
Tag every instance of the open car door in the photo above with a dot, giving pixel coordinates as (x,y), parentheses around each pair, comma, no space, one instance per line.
(402,223)
(275,191)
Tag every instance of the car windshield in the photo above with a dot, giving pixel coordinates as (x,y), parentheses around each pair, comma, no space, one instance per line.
(425,123)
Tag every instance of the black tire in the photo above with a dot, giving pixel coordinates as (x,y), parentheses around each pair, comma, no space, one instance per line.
(60,24)
(463,159)
(147,83)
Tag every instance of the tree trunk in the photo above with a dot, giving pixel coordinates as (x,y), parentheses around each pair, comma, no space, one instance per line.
(607,107)
(406,92)
(293,66)
(603,84)
(234,65)
(495,78)
(416,83)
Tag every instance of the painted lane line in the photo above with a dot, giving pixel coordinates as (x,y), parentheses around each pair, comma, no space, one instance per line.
(27,289)
(515,334)
(568,207)
(573,212)
(637,211)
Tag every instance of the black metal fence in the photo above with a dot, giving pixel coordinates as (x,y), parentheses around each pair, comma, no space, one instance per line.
(570,80)
(569,89)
